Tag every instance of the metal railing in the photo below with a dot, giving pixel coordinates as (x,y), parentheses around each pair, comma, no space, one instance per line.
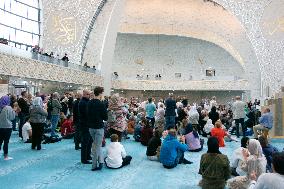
(36,56)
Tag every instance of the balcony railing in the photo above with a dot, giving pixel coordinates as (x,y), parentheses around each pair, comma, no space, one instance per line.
(35,56)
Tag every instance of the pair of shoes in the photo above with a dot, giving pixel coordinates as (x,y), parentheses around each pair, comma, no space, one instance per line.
(78,147)
(185,161)
(8,158)
(98,168)
(86,162)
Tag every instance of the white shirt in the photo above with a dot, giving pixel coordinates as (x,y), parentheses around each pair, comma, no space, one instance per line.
(25,131)
(269,181)
(236,161)
(115,153)
(239,109)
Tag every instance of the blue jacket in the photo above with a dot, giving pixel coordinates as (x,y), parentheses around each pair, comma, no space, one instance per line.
(266,120)
(169,150)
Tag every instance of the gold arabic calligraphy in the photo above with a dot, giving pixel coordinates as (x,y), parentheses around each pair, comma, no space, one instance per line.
(65,30)
(275,26)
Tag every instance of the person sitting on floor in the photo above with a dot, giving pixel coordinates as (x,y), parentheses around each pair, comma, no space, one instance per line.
(154,146)
(192,139)
(131,125)
(238,158)
(146,132)
(27,132)
(219,133)
(254,162)
(214,167)
(116,154)
(67,129)
(273,180)
(208,127)
(172,151)
(268,150)
(265,122)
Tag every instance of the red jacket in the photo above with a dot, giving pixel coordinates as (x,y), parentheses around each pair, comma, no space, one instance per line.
(219,133)
(67,128)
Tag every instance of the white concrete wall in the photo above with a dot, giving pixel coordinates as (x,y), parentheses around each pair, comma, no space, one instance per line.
(167,55)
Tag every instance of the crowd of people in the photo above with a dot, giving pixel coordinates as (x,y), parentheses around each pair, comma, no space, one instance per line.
(167,128)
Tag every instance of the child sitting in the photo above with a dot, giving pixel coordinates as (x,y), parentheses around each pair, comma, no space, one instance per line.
(27,132)
(131,124)
(154,146)
(116,155)
(67,129)
(219,133)
(192,139)
(146,132)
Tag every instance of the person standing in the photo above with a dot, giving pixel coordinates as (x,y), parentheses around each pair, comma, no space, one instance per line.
(86,141)
(37,119)
(97,114)
(170,113)
(150,111)
(75,108)
(55,112)
(239,115)
(7,114)
(24,106)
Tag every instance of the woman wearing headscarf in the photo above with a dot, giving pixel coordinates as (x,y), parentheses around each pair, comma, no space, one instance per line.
(194,118)
(214,167)
(192,139)
(208,127)
(37,119)
(254,163)
(7,115)
(118,122)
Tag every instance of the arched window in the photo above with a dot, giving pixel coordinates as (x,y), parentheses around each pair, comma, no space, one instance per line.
(20,22)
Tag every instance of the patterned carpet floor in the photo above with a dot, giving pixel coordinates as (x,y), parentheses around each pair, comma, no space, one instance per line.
(59,167)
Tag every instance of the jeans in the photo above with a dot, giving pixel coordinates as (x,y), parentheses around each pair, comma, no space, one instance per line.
(240,121)
(170,122)
(5,134)
(54,123)
(86,144)
(37,129)
(97,135)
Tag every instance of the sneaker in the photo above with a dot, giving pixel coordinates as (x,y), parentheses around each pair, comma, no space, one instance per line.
(185,161)
(8,158)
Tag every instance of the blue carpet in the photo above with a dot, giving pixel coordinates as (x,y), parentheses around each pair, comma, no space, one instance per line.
(59,167)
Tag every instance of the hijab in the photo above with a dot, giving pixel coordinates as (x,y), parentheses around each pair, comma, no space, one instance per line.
(255,148)
(192,111)
(37,101)
(189,129)
(213,145)
(4,101)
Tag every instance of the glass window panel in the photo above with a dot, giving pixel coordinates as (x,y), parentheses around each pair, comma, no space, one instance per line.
(32,13)
(19,9)
(19,23)
(33,3)
(12,34)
